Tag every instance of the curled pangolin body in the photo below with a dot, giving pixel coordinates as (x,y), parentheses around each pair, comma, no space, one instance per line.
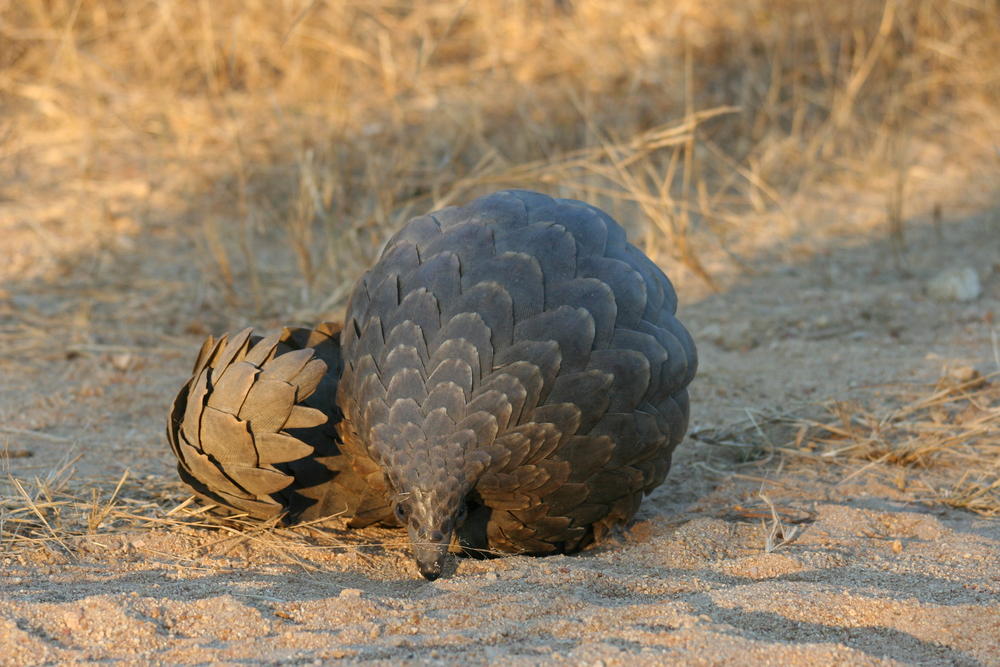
(511,371)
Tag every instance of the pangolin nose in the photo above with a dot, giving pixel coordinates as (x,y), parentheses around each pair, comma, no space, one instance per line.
(436,536)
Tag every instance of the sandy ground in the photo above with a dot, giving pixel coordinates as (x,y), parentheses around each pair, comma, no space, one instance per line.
(874,571)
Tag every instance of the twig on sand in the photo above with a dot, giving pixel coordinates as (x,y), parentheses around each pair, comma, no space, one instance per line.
(777,534)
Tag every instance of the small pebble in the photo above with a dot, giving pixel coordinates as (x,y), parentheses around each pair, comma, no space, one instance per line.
(735,336)
(121,362)
(964,373)
(957,283)
(351,593)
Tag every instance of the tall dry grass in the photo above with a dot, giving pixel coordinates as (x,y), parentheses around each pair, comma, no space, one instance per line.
(288,138)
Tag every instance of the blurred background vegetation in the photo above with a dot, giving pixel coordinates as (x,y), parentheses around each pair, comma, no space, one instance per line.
(263,150)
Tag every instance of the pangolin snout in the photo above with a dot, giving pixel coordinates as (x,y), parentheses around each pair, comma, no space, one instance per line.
(430,571)
(430,552)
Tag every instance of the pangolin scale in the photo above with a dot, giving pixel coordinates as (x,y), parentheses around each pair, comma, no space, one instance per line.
(510,372)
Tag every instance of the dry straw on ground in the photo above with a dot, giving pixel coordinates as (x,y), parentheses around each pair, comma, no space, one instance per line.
(946,443)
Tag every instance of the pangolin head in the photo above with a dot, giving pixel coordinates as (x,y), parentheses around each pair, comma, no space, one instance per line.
(431,481)
(431,518)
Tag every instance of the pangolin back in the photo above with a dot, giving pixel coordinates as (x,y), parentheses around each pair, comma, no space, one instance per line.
(518,359)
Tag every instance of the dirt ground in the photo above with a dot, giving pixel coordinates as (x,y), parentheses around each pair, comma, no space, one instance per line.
(171,170)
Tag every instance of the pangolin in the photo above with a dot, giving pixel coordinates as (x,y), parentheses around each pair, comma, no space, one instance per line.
(510,373)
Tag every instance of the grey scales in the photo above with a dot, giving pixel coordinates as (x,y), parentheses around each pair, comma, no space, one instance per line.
(510,376)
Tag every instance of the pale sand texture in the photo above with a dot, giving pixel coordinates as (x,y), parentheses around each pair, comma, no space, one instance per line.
(680,587)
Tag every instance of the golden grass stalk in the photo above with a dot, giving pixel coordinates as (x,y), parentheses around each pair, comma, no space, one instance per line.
(949,439)
(406,107)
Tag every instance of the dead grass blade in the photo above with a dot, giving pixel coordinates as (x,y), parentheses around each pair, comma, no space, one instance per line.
(777,534)
(951,434)
(37,511)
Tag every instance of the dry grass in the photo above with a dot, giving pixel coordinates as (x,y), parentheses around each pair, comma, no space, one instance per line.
(938,444)
(55,516)
(318,126)
(945,442)
(53,519)
(285,140)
